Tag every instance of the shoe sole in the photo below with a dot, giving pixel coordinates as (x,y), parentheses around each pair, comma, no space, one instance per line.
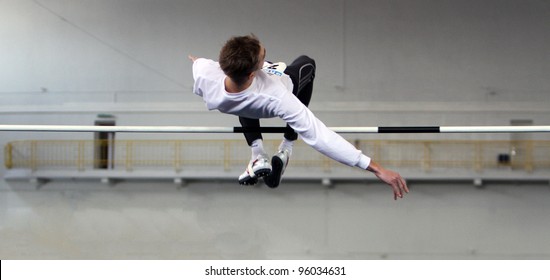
(274,178)
(253,181)
(248,181)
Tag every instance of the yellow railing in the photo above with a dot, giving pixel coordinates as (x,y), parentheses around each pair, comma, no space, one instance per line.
(177,155)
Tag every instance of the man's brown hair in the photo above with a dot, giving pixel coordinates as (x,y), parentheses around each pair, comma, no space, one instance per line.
(239,57)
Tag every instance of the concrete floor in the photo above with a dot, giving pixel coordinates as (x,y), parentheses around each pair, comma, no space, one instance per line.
(299,220)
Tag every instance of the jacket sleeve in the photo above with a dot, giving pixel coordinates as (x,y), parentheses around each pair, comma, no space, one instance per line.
(316,134)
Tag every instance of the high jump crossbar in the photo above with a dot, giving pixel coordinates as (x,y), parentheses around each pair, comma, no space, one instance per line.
(213,129)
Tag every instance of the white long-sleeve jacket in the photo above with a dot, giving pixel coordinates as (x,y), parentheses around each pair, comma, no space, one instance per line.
(271,96)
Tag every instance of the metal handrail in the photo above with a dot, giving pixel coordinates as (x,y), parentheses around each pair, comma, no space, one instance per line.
(129,155)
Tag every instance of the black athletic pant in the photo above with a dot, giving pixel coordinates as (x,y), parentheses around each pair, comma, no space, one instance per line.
(302,74)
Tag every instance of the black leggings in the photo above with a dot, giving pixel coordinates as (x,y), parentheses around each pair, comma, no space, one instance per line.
(302,74)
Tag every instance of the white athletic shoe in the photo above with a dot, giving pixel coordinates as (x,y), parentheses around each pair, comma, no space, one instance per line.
(279,162)
(257,168)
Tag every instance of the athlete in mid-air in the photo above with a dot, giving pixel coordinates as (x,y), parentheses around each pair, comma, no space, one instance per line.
(243,84)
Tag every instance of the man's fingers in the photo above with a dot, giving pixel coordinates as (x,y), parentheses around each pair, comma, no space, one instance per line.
(397,190)
(404,185)
(396,182)
(400,187)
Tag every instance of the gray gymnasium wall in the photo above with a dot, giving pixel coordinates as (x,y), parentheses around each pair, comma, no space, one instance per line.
(367,50)
(422,62)
(379,62)
(398,63)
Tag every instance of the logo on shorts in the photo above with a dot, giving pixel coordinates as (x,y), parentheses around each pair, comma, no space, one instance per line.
(275,68)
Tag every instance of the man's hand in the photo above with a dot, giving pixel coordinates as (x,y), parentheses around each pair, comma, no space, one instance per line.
(192,58)
(391,178)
